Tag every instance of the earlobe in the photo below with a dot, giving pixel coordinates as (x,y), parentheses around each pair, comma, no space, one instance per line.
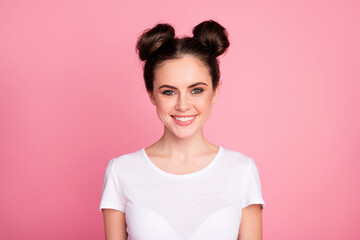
(214,100)
(151,98)
(215,95)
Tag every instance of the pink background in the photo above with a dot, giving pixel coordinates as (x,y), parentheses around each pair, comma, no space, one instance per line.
(72,97)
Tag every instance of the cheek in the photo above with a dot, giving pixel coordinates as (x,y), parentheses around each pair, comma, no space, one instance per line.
(164,106)
(206,103)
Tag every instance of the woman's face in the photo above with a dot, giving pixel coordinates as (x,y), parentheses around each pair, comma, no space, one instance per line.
(183,95)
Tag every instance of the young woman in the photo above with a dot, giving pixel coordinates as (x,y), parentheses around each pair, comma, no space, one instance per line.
(182,187)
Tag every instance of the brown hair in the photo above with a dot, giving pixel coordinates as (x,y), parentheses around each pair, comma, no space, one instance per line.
(159,44)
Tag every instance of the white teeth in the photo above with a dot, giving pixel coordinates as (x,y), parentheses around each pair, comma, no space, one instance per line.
(184,119)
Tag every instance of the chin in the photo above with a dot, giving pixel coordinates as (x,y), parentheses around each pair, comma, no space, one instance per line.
(183,134)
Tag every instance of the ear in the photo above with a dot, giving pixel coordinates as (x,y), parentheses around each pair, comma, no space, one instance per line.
(215,95)
(151,96)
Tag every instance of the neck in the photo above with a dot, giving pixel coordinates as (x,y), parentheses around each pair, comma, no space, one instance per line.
(180,148)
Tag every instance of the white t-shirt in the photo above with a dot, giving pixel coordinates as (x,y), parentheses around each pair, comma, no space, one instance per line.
(203,205)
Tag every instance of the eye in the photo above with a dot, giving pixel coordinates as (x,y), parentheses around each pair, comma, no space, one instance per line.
(198,90)
(167,92)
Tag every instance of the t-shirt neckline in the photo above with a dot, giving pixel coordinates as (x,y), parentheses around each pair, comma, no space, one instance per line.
(183,176)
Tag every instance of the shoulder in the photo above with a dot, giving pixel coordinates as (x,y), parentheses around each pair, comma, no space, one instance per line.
(126,160)
(236,159)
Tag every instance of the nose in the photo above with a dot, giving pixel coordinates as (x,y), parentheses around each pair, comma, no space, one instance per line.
(183,103)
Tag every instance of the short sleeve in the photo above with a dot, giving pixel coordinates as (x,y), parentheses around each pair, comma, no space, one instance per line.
(112,193)
(251,191)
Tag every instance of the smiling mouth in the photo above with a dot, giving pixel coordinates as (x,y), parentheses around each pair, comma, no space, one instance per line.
(184,118)
(184,121)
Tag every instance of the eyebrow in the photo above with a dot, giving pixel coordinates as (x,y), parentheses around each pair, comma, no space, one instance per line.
(192,85)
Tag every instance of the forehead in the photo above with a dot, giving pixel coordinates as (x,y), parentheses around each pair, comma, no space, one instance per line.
(182,71)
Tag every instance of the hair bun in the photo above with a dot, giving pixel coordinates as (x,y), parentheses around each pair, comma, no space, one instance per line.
(152,39)
(213,36)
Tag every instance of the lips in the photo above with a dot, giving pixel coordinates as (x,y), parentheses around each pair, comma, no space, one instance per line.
(184,120)
(182,115)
